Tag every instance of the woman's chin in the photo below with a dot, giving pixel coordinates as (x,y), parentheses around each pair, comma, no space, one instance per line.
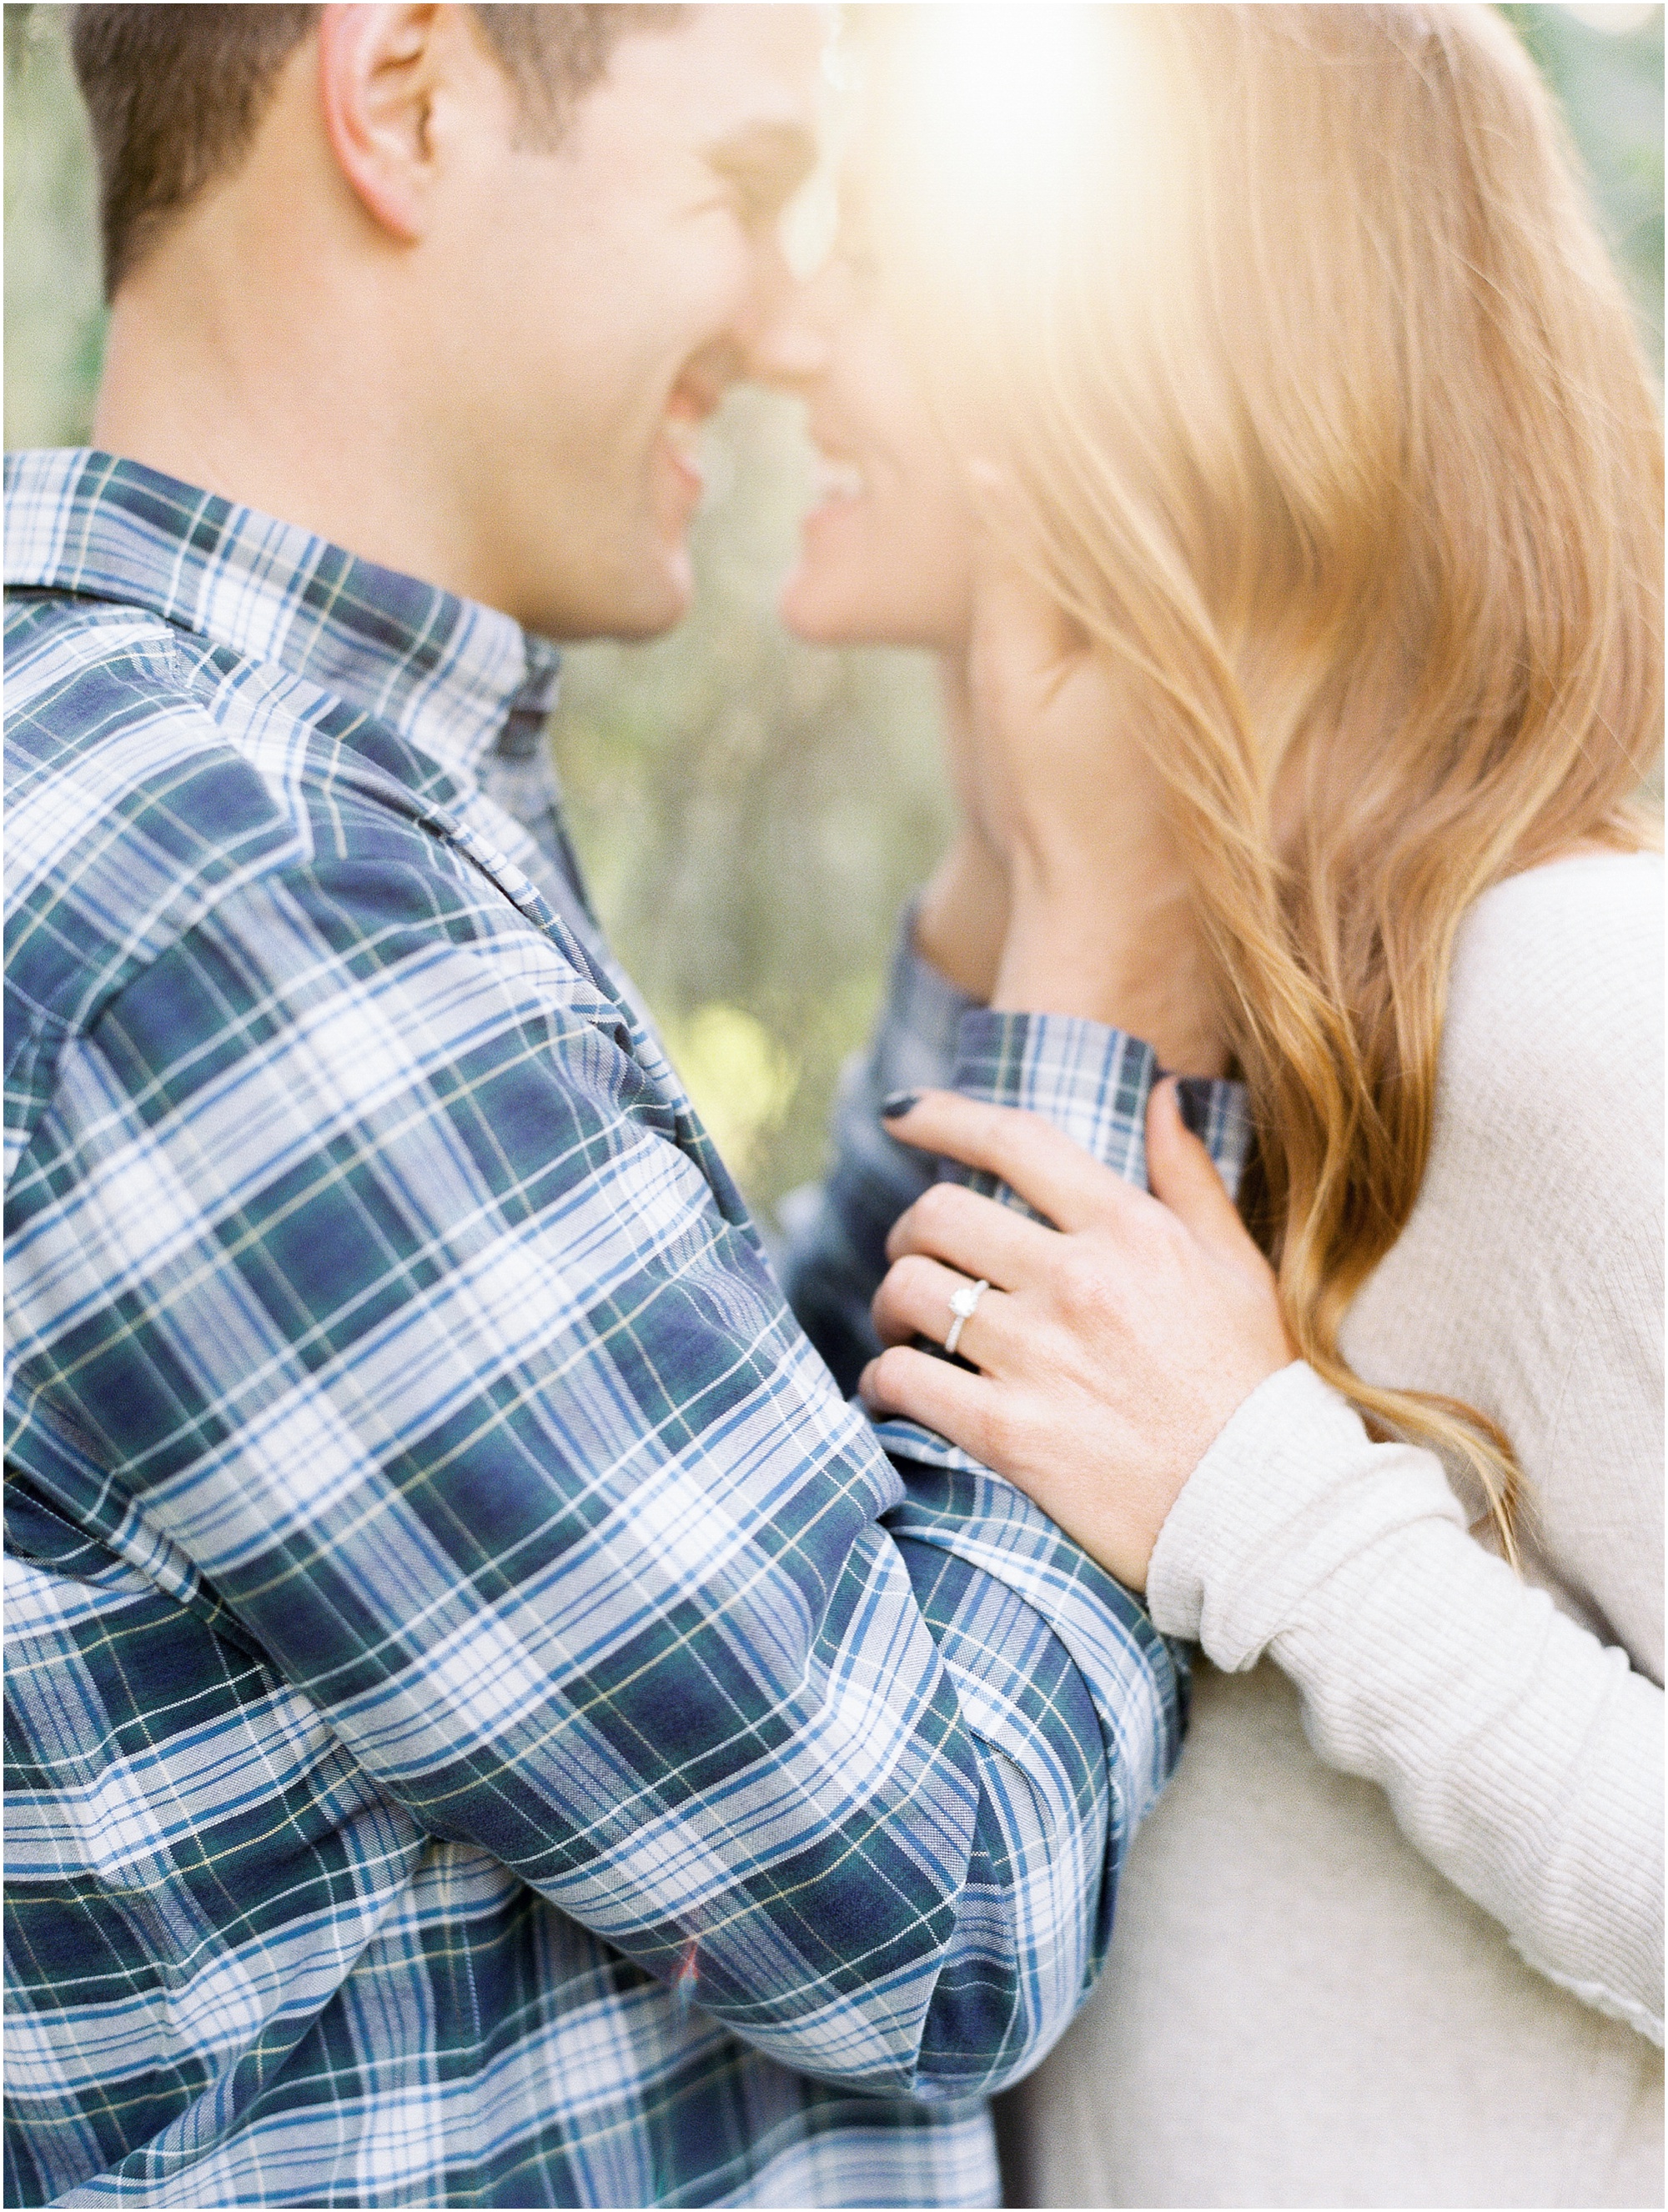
(847,603)
(811,609)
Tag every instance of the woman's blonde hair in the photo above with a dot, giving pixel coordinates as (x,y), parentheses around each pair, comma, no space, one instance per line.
(1333,430)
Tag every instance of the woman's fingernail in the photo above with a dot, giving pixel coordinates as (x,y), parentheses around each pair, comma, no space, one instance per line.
(899,1103)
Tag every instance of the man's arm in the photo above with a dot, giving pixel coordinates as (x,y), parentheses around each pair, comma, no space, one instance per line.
(388,1283)
(835,1253)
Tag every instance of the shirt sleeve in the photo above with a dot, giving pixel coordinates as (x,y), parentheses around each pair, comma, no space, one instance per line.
(1094,1083)
(397,1305)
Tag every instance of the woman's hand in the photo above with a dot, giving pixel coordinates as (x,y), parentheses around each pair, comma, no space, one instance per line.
(1101,917)
(1112,1349)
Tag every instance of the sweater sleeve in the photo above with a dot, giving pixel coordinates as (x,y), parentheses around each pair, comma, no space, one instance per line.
(1522,1755)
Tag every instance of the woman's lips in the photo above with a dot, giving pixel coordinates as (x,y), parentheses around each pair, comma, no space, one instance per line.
(837,484)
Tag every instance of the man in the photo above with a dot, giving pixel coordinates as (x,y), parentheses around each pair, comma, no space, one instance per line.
(491,1724)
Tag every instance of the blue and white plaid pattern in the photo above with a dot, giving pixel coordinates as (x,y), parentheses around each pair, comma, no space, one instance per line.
(838,1229)
(488,1723)
(1095,1084)
(1092,1081)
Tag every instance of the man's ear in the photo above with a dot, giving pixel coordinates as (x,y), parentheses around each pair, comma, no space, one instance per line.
(379,71)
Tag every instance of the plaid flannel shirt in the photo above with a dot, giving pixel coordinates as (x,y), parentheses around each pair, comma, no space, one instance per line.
(488,1723)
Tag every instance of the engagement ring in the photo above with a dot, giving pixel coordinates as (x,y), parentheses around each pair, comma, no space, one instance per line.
(964,1303)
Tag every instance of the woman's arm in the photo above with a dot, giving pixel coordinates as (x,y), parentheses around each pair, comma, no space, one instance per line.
(1521,1755)
(1135,1383)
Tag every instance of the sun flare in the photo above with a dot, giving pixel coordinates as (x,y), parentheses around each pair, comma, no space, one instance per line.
(1001,97)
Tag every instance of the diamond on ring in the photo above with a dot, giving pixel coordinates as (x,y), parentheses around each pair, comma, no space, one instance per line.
(964,1304)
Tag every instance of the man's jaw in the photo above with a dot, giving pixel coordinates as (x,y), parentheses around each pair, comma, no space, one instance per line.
(682,442)
(681,482)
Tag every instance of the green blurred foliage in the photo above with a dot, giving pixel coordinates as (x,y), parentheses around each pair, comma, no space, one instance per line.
(54,301)
(1605,65)
(752,811)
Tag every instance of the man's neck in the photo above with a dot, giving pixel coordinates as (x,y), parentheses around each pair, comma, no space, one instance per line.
(288,409)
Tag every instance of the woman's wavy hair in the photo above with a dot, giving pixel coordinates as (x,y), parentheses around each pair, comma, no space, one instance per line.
(1332,429)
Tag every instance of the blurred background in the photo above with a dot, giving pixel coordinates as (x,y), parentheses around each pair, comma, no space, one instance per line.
(752,812)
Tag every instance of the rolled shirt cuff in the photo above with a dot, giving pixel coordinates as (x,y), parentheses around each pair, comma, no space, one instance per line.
(1094,1083)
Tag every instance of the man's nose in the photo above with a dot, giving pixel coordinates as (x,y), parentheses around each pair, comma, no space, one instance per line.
(787,345)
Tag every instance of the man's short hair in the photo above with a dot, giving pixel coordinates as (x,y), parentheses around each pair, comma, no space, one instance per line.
(175,94)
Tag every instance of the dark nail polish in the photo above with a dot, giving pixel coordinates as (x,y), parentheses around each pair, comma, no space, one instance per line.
(1193,1099)
(894,1109)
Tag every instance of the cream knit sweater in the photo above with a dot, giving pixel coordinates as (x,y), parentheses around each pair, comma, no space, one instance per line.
(1394,1934)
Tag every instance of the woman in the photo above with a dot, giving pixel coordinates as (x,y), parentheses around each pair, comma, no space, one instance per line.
(1313,654)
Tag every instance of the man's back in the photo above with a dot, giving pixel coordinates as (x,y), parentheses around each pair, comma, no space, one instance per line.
(477,1739)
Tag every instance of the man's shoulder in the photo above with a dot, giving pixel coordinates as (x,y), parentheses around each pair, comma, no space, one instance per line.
(124,797)
(82,677)
(148,775)
(68,659)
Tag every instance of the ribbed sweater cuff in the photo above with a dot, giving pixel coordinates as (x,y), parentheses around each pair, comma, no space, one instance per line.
(1291,1488)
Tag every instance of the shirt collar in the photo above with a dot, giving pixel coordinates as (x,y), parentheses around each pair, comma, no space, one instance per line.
(454,677)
